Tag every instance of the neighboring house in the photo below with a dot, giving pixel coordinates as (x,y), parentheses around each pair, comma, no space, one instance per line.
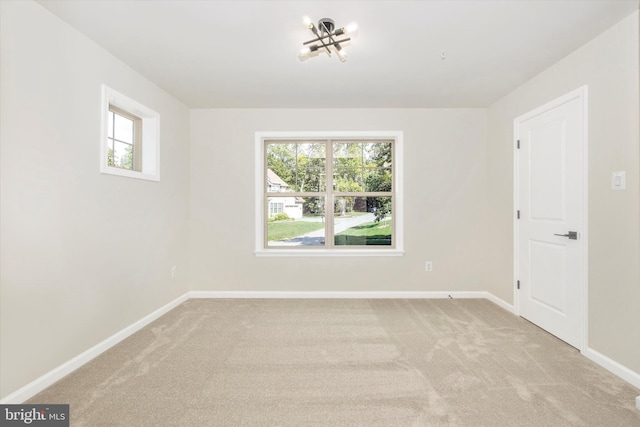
(292,206)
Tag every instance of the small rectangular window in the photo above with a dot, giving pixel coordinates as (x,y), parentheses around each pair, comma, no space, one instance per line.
(124,140)
(131,138)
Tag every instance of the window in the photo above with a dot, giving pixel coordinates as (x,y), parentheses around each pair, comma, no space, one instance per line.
(124,139)
(275,208)
(131,137)
(340,194)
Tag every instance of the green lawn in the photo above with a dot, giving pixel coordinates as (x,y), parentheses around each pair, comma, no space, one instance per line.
(337,215)
(283,230)
(369,233)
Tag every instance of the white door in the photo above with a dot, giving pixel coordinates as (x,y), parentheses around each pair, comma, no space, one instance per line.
(551,229)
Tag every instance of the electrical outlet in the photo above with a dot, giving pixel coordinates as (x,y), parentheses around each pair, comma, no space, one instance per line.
(174,271)
(428,266)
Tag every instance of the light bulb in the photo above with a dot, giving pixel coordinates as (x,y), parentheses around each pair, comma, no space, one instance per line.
(342,54)
(304,54)
(307,21)
(351,29)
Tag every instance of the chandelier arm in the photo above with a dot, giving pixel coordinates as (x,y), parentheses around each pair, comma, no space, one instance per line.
(326,46)
(325,31)
(319,38)
(333,42)
(324,37)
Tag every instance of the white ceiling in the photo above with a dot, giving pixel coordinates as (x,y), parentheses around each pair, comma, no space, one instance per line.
(243,54)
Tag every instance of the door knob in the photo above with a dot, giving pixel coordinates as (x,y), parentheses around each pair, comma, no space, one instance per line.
(572,235)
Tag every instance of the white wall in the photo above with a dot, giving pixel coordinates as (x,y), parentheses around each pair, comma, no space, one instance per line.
(445,203)
(609,66)
(82,255)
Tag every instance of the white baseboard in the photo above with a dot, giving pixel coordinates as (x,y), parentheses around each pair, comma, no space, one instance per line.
(614,367)
(356,294)
(500,302)
(39,384)
(335,294)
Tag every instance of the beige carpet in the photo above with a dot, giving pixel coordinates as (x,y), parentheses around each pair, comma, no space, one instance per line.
(343,363)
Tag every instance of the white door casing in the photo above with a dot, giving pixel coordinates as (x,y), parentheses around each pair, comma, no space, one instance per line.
(550,171)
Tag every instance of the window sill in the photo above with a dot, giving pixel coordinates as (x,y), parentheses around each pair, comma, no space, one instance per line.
(328,252)
(109,170)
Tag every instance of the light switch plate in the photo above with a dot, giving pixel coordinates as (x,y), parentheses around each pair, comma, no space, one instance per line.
(618,181)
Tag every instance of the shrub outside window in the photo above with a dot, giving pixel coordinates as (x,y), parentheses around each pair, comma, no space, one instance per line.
(329,195)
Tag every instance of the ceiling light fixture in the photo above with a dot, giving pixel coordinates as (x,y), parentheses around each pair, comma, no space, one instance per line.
(327,38)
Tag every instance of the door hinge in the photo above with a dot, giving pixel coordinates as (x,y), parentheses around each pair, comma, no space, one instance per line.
(518,144)
(518,284)
(518,214)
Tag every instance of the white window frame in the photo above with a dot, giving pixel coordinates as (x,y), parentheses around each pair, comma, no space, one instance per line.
(136,140)
(260,185)
(148,149)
